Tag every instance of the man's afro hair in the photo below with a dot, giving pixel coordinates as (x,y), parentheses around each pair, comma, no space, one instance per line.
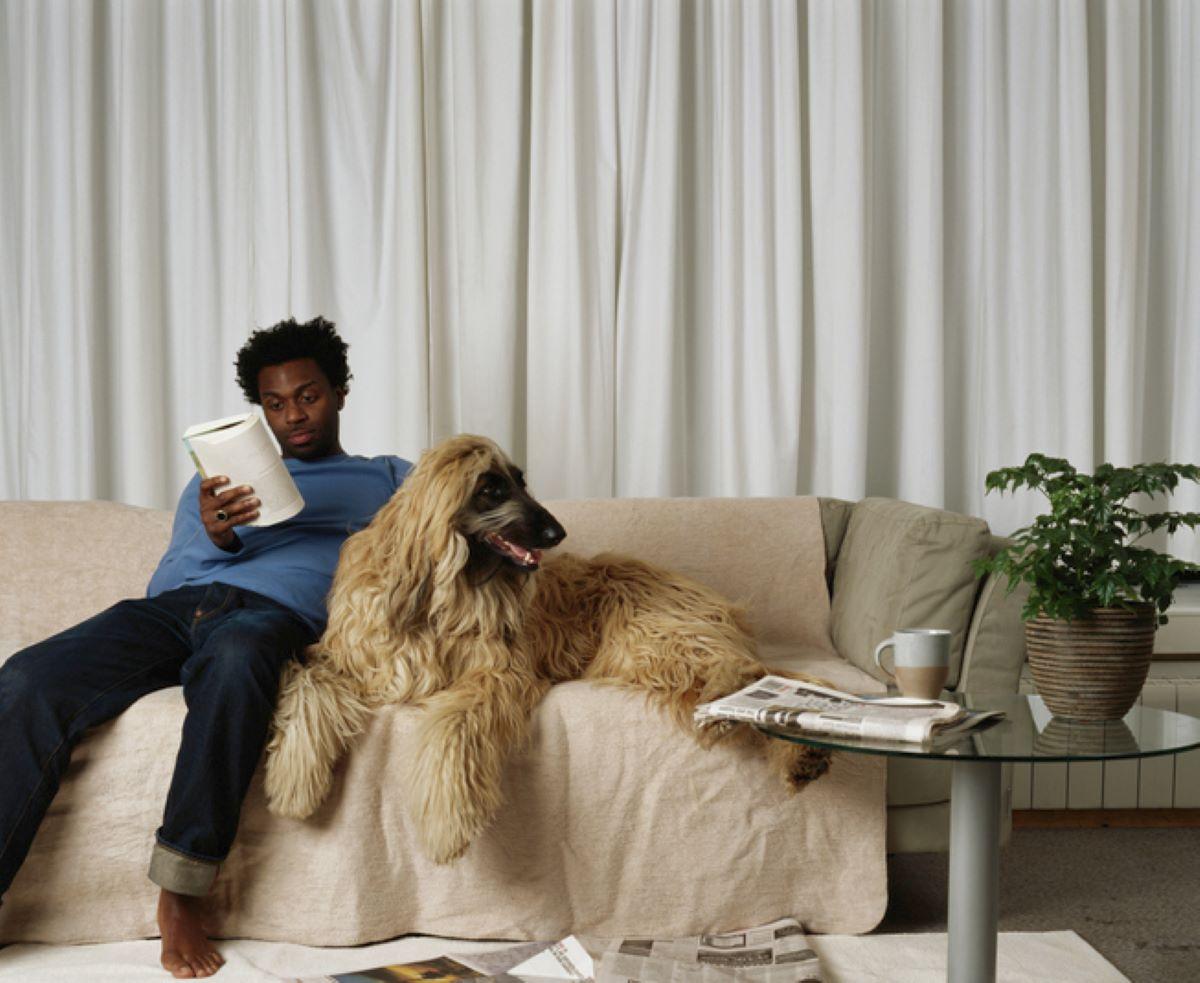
(316,339)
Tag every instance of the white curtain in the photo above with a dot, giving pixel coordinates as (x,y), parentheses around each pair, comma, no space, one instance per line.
(653,247)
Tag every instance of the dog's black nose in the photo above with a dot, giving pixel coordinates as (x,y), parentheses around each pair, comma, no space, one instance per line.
(552,534)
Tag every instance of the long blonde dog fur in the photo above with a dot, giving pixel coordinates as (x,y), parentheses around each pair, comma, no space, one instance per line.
(409,625)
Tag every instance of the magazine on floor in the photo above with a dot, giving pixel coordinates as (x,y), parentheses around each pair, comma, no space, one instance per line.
(791,704)
(565,961)
(439,969)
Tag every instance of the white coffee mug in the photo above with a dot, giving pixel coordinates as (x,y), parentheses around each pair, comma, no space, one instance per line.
(921,660)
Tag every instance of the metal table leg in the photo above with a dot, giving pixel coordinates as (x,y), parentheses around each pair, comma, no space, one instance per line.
(973,916)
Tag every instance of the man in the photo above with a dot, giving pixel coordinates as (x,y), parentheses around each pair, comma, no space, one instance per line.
(227,607)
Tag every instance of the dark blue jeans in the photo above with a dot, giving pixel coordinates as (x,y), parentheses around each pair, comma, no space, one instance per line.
(225,645)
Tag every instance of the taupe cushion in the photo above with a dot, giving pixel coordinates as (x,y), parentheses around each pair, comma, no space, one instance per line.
(904,566)
(996,640)
(835,516)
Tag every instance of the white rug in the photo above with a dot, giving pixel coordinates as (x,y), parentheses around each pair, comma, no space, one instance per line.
(1024,957)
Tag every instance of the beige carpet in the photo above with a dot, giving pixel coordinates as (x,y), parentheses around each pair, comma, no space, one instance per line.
(1024,957)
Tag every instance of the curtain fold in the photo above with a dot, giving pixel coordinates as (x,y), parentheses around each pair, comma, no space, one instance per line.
(688,247)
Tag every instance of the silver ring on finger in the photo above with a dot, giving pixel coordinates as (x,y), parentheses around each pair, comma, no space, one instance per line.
(222,515)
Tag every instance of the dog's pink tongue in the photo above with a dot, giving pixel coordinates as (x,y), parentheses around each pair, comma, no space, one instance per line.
(527,556)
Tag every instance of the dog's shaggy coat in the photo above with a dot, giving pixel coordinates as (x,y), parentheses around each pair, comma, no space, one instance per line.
(440,603)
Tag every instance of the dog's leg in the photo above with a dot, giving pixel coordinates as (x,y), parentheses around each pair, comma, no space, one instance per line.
(465,738)
(677,673)
(317,716)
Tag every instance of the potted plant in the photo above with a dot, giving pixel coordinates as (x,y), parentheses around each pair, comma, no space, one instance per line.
(1095,598)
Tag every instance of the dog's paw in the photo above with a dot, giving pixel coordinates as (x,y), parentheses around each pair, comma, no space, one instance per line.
(714,731)
(806,764)
(294,796)
(444,846)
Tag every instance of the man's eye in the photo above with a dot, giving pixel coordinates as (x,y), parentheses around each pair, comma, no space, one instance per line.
(274,407)
(309,399)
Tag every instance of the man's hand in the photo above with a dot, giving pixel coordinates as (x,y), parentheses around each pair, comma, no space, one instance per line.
(220,511)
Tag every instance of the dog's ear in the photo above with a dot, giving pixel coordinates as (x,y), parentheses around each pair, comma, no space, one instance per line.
(424,550)
(411,569)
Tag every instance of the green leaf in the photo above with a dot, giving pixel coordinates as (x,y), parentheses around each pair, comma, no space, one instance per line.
(1080,553)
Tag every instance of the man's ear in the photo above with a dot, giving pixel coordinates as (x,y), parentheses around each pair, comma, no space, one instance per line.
(341,398)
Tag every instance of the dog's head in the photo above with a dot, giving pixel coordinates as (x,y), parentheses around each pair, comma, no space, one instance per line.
(500,519)
(489,506)
(461,519)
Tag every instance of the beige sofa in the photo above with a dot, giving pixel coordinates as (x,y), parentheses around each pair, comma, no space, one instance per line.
(615,822)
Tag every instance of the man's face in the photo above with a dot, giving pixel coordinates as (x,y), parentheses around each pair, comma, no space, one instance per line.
(301,408)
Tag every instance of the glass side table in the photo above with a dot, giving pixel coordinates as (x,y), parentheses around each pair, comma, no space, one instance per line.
(1028,733)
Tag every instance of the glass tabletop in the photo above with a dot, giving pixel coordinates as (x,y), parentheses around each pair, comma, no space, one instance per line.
(1029,732)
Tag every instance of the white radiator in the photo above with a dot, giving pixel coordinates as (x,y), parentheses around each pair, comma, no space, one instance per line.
(1167,782)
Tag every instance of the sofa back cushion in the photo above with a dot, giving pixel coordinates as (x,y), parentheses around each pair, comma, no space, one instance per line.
(65,561)
(904,566)
(766,554)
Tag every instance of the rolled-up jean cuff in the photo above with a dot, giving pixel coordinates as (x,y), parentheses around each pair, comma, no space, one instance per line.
(173,871)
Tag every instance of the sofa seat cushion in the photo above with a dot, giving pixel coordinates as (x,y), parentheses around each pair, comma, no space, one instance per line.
(905,566)
(606,813)
(917,782)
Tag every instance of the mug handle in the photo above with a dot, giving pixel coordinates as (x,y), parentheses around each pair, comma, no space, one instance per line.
(887,642)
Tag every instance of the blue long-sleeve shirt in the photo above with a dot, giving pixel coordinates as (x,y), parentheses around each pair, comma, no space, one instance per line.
(291,562)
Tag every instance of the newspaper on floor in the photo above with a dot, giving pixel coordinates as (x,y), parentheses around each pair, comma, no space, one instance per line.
(818,710)
(774,953)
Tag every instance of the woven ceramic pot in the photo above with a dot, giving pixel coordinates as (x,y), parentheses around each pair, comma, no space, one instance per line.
(1092,668)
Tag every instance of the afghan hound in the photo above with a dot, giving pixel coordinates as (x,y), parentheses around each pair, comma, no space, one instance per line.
(444,602)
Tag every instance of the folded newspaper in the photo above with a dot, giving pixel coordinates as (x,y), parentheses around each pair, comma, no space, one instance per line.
(774,953)
(790,704)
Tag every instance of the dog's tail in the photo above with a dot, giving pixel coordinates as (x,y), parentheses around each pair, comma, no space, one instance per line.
(317,716)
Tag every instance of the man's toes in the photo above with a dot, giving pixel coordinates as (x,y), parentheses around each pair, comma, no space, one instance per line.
(210,964)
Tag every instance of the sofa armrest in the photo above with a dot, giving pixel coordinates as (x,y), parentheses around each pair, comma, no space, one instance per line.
(995,648)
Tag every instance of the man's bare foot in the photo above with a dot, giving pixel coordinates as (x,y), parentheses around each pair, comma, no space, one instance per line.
(186,951)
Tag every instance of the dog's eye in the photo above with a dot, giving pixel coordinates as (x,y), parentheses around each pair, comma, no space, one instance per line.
(495,491)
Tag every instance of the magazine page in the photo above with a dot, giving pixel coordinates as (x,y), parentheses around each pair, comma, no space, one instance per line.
(499,961)
(241,448)
(815,709)
(440,969)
